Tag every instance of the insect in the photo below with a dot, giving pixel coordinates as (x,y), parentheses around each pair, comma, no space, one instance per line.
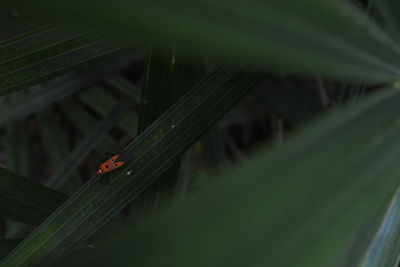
(113,163)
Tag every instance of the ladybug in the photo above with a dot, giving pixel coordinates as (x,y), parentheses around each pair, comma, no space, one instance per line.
(113,163)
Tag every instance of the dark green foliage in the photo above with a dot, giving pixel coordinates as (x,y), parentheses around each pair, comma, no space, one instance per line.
(331,37)
(57,90)
(317,81)
(100,201)
(41,56)
(295,212)
(24,200)
(95,136)
(168,76)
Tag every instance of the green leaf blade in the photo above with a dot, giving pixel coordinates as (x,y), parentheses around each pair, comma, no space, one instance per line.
(98,133)
(53,67)
(266,214)
(24,200)
(55,91)
(332,38)
(384,248)
(96,203)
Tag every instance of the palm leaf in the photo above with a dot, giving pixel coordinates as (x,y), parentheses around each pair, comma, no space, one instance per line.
(24,200)
(57,90)
(97,202)
(331,38)
(384,248)
(264,213)
(100,131)
(38,57)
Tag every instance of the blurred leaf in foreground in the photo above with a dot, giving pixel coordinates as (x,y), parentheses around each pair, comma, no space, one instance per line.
(328,37)
(384,250)
(342,171)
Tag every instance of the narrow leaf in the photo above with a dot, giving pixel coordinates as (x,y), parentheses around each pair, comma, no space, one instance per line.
(102,102)
(17,147)
(29,49)
(153,152)
(388,10)
(57,90)
(384,249)
(168,76)
(72,162)
(125,86)
(24,74)
(56,145)
(328,37)
(263,213)
(85,122)
(24,200)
